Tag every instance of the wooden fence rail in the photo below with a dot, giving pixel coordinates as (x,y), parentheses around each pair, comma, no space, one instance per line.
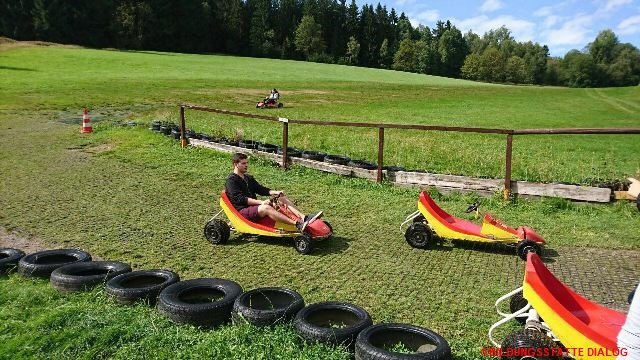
(382,126)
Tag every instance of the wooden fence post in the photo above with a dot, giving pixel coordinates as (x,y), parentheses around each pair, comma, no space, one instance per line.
(507,172)
(380,153)
(285,144)
(183,137)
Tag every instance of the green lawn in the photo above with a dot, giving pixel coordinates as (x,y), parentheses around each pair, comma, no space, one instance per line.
(125,193)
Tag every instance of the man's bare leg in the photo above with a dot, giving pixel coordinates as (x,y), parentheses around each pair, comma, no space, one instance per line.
(285,200)
(266,210)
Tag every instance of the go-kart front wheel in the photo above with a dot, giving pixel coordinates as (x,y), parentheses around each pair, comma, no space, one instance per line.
(217,231)
(533,342)
(418,235)
(303,244)
(526,246)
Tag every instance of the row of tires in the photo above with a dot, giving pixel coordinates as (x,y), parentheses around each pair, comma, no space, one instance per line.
(210,302)
(174,131)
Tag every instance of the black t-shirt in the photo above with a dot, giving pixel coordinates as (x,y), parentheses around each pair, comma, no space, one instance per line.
(239,189)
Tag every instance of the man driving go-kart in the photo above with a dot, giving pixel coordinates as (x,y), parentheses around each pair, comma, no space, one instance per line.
(241,189)
(273,97)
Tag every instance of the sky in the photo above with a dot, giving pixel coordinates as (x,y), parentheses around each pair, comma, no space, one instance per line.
(561,25)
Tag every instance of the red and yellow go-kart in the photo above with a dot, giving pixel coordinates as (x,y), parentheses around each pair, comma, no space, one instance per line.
(218,231)
(265,104)
(557,317)
(430,224)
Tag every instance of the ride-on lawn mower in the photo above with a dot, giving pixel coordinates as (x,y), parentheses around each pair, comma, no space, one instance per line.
(218,231)
(557,320)
(430,224)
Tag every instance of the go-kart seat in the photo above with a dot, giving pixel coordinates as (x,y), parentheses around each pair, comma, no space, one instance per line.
(454,223)
(576,321)
(265,223)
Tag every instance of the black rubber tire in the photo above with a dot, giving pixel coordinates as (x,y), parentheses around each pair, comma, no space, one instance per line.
(247,144)
(86,275)
(142,285)
(9,259)
(529,339)
(217,232)
(165,129)
(291,152)
(516,303)
(302,244)
(191,301)
(280,105)
(418,235)
(267,306)
(638,202)
(526,246)
(270,148)
(314,323)
(313,155)
(394,168)
(337,159)
(362,164)
(373,343)
(42,264)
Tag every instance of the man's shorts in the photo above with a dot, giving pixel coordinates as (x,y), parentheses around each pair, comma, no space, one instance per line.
(250,213)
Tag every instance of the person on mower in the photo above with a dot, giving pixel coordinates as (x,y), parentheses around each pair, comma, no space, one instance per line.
(241,188)
(273,97)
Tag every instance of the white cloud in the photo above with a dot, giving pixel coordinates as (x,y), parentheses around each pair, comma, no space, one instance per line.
(573,32)
(611,5)
(491,5)
(521,30)
(550,21)
(429,16)
(404,2)
(630,25)
(543,11)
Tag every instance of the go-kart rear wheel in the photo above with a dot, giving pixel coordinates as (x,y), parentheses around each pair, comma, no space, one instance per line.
(217,231)
(280,105)
(418,235)
(532,344)
(303,244)
(516,303)
(526,246)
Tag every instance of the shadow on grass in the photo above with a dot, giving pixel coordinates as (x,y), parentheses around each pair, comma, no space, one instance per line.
(15,68)
(504,249)
(333,245)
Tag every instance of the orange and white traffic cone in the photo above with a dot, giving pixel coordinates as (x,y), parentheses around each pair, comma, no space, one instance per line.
(86,123)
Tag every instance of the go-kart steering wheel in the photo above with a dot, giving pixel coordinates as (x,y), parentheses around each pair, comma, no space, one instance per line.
(473,207)
(274,200)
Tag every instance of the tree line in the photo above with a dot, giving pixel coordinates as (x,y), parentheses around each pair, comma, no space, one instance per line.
(329,31)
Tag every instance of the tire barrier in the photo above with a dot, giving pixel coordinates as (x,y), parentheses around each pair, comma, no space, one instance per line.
(140,286)
(337,159)
(376,342)
(9,259)
(202,302)
(267,306)
(86,275)
(363,164)
(332,322)
(43,263)
(313,155)
(210,302)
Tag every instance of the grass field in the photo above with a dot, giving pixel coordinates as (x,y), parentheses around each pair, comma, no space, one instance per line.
(125,193)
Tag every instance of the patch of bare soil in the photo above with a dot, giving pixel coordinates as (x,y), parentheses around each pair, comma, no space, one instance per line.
(16,241)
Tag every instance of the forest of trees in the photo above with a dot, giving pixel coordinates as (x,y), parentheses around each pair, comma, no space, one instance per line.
(329,31)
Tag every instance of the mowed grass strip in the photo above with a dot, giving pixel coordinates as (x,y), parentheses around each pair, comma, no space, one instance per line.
(73,78)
